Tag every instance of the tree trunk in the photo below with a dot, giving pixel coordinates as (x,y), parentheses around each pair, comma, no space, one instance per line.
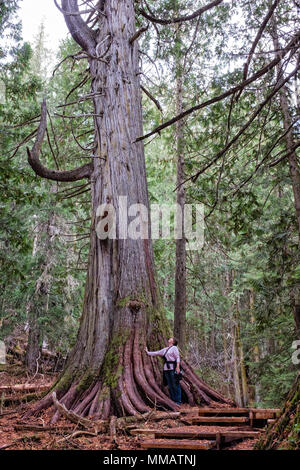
(180,272)
(245,396)
(293,169)
(108,372)
(40,298)
(34,341)
(236,374)
(255,350)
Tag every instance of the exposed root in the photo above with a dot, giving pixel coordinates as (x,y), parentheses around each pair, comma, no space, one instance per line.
(132,388)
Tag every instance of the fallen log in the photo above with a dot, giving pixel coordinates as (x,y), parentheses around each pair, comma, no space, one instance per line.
(77,434)
(6,400)
(37,428)
(177,444)
(24,387)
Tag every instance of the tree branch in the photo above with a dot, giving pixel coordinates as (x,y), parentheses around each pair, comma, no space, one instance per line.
(81,33)
(295,146)
(229,92)
(242,130)
(155,101)
(55,175)
(180,19)
(257,39)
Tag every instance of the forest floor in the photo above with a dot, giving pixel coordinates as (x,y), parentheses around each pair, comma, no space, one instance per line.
(64,435)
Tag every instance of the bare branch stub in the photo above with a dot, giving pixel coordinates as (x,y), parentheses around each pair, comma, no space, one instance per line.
(152,98)
(138,33)
(84,171)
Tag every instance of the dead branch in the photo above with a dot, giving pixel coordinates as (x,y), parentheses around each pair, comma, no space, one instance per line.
(77,434)
(180,19)
(56,175)
(6,413)
(29,121)
(90,96)
(24,387)
(78,85)
(36,428)
(24,141)
(74,57)
(155,101)
(5,446)
(78,115)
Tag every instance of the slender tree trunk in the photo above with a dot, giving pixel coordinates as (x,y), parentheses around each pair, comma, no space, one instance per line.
(236,374)
(226,359)
(107,371)
(34,341)
(255,350)
(180,273)
(244,381)
(39,302)
(293,168)
(226,346)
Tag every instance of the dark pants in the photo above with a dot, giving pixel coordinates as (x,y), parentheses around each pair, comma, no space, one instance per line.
(174,386)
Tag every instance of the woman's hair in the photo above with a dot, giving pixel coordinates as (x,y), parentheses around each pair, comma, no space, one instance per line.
(175,341)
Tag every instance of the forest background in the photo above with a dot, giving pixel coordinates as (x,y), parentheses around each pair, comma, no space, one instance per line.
(242,286)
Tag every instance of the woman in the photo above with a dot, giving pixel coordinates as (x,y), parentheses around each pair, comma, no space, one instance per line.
(171,368)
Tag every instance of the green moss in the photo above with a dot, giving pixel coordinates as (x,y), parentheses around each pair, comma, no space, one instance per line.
(112,369)
(87,380)
(65,381)
(104,394)
(124,301)
(139,297)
